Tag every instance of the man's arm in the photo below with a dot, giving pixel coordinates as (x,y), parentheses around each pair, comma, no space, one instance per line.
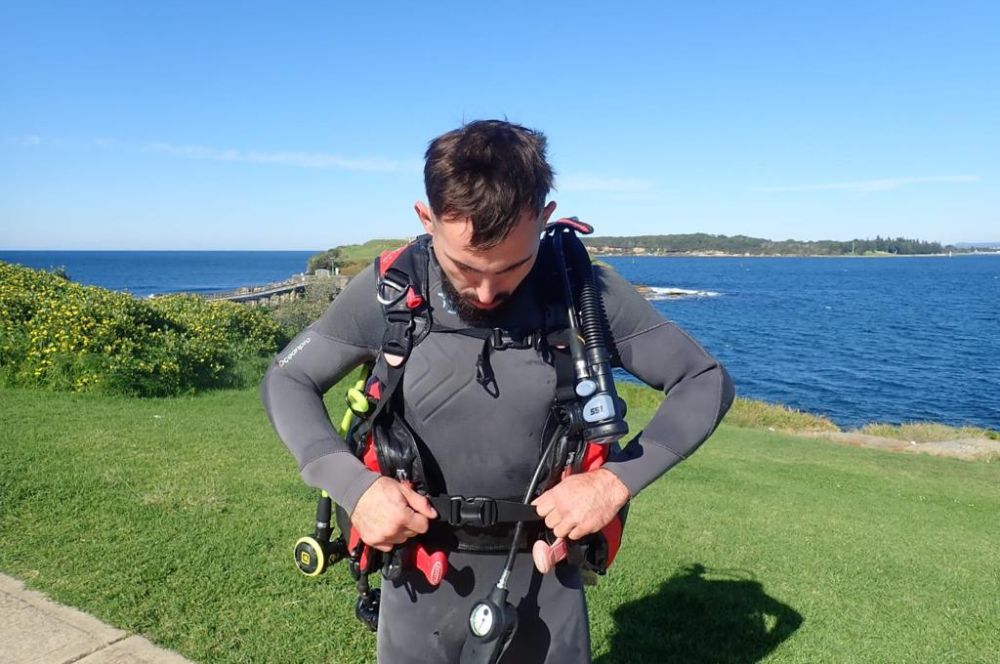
(384,512)
(698,389)
(347,335)
(699,392)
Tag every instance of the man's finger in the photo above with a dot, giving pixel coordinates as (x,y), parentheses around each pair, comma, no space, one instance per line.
(416,523)
(543,504)
(562,529)
(553,519)
(419,503)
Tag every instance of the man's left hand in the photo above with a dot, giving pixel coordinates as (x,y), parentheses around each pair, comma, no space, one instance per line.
(582,504)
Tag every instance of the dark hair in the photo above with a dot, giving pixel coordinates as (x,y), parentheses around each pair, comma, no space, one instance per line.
(491,171)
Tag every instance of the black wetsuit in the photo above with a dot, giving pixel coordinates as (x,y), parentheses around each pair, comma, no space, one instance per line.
(486,442)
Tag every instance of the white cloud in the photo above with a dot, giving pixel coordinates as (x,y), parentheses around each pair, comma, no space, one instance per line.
(27,140)
(300,159)
(581,182)
(883,184)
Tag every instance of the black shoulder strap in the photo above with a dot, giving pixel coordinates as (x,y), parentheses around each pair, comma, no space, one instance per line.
(401,287)
(570,229)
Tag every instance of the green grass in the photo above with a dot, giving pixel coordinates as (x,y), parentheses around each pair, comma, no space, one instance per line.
(369,250)
(175,518)
(356,257)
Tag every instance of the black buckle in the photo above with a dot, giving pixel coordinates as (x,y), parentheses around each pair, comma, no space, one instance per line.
(500,340)
(479,512)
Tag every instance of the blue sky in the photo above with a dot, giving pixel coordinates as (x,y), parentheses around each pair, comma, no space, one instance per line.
(216,125)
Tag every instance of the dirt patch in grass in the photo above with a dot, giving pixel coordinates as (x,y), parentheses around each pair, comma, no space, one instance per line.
(969,449)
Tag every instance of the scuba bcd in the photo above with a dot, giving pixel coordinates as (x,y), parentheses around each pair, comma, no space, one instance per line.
(586,418)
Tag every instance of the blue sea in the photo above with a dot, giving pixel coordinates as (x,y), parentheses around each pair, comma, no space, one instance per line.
(144,273)
(856,339)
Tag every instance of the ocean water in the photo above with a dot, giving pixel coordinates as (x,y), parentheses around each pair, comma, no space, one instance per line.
(145,273)
(856,339)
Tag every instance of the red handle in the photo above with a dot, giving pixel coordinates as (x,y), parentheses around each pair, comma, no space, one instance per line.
(432,564)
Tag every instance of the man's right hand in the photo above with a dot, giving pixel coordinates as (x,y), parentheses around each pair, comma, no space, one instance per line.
(390,513)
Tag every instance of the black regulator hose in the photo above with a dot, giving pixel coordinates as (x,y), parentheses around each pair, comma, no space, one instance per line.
(493,620)
(604,411)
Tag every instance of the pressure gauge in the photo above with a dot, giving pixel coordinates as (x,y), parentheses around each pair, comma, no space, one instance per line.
(481,619)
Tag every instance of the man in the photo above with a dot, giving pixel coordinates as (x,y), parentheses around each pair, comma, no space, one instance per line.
(487,187)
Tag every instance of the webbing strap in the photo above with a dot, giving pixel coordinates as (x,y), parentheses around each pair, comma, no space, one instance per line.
(481,511)
(395,375)
(497,338)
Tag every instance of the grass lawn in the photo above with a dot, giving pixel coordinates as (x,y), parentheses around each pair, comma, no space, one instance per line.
(175,518)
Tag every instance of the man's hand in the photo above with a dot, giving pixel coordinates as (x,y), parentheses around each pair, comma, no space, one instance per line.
(582,504)
(390,513)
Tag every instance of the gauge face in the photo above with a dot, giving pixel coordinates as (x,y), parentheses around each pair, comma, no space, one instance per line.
(481,619)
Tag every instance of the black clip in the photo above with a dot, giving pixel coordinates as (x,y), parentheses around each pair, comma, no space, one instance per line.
(500,340)
(496,339)
(480,512)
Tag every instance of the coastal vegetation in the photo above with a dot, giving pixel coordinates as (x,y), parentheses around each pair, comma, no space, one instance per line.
(293,316)
(703,243)
(176,519)
(62,335)
(926,432)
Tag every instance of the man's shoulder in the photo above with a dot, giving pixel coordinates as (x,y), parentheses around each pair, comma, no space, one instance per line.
(610,281)
(355,315)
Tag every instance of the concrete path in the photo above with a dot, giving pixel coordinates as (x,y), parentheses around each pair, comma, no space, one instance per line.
(36,630)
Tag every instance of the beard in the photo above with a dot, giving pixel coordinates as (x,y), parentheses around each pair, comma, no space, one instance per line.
(470,313)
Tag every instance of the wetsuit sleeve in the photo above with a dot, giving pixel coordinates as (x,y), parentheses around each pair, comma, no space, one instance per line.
(698,389)
(347,335)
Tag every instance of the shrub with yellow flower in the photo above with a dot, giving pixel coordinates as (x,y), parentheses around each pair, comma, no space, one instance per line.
(62,335)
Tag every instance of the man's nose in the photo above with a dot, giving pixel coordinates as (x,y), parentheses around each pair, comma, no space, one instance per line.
(486,292)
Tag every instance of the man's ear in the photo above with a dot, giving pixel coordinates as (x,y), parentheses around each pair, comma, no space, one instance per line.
(547,212)
(425,216)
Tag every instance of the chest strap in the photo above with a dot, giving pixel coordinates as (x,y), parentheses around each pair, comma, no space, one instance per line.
(481,511)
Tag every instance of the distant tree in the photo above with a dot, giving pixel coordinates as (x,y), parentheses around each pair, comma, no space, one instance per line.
(328,260)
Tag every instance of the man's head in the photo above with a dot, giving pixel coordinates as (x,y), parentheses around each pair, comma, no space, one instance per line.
(487,183)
